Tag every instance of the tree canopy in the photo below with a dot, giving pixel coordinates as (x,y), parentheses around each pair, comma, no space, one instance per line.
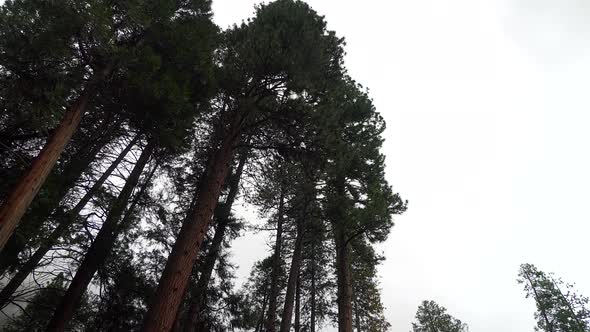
(130,130)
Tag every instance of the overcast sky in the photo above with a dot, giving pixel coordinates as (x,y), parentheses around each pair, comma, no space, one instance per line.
(486,104)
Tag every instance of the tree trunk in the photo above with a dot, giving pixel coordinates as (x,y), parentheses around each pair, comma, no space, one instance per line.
(344,282)
(276,267)
(100,248)
(292,281)
(338,218)
(19,198)
(64,224)
(298,305)
(174,279)
(222,216)
(313,288)
(260,323)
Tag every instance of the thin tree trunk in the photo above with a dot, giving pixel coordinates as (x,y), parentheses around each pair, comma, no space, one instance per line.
(260,323)
(174,279)
(292,281)
(298,305)
(276,266)
(313,289)
(64,224)
(20,197)
(100,248)
(222,215)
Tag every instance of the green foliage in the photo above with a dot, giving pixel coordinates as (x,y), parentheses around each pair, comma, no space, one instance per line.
(359,199)
(559,307)
(286,42)
(168,75)
(38,66)
(432,317)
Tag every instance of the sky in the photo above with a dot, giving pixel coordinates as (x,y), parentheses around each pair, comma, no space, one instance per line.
(487,136)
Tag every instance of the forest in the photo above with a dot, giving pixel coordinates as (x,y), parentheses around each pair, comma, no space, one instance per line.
(131,132)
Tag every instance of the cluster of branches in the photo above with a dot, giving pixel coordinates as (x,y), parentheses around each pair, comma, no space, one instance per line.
(128,130)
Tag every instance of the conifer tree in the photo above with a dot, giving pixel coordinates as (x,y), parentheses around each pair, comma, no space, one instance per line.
(559,307)
(105,38)
(307,54)
(359,201)
(431,317)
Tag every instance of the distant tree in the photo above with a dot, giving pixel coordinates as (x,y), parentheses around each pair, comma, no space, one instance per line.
(432,317)
(559,307)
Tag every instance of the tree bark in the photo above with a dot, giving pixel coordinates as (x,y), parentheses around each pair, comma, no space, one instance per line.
(100,248)
(292,281)
(20,197)
(313,289)
(276,266)
(343,276)
(199,298)
(64,224)
(174,279)
(344,282)
(298,305)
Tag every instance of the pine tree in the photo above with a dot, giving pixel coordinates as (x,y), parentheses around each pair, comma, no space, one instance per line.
(259,75)
(137,205)
(359,201)
(121,39)
(431,317)
(559,307)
